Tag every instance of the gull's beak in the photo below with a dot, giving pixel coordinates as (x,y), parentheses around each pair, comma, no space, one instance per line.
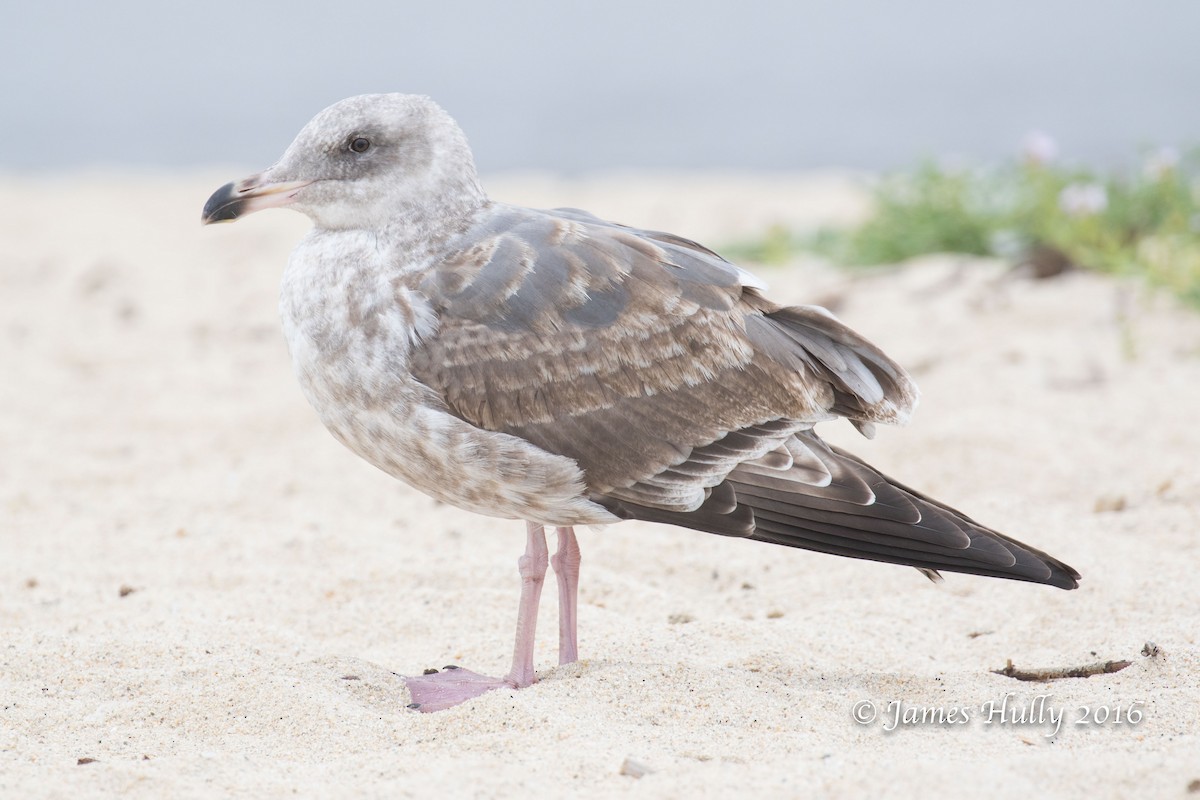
(252,194)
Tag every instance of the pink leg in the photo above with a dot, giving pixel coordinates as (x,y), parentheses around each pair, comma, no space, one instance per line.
(566,569)
(533,572)
(455,685)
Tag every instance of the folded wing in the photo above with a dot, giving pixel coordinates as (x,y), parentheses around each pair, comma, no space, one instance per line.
(684,395)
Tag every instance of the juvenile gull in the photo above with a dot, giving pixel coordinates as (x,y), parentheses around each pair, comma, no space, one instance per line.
(556,368)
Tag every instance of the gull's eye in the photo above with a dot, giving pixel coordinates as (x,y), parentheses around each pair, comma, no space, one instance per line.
(360,145)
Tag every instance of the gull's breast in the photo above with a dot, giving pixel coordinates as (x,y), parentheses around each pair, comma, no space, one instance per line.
(351,330)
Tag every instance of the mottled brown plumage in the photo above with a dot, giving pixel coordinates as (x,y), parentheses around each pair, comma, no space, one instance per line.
(648,361)
(554,367)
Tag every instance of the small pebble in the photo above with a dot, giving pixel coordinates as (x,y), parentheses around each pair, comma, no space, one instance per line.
(430,671)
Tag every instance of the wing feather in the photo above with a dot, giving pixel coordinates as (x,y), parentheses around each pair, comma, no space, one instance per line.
(683,395)
(630,351)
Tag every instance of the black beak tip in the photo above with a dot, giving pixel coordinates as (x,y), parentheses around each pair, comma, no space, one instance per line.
(223,206)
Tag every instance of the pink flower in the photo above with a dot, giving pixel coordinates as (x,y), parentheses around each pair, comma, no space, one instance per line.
(1083,199)
(1161,163)
(1039,148)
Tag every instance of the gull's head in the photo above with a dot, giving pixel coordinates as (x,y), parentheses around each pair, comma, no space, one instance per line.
(364,162)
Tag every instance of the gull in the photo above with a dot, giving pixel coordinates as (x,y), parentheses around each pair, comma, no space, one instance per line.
(552,367)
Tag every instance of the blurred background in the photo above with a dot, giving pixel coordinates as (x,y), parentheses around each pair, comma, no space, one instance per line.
(199,587)
(571,88)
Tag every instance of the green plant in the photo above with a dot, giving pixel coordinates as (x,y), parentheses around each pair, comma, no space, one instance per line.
(1145,223)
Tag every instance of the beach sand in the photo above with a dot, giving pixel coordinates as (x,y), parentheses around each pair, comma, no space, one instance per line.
(202,594)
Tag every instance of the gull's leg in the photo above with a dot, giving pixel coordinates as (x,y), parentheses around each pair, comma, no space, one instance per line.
(454,685)
(566,569)
(533,572)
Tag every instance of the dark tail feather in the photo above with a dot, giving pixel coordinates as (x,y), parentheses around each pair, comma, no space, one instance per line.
(859,514)
(1029,564)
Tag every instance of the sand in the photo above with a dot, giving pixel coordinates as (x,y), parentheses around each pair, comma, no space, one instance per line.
(202,594)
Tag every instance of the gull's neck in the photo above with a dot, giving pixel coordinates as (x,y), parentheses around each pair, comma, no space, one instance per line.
(420,228)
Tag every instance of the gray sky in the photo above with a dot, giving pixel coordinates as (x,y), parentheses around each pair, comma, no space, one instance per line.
(623,83)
